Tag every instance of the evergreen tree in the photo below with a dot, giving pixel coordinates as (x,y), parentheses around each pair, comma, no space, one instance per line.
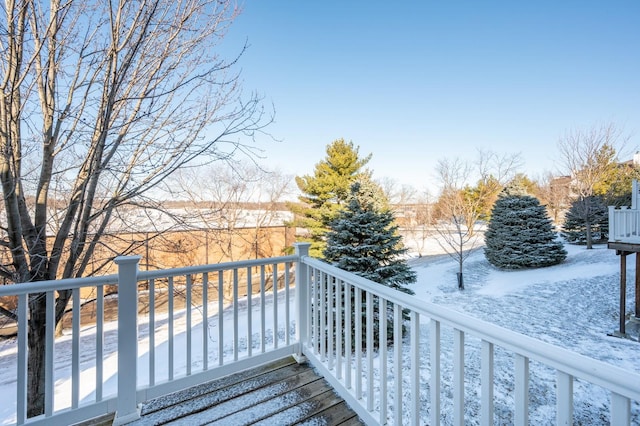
(364,239)
(326,192)
(520,233)
(586,216)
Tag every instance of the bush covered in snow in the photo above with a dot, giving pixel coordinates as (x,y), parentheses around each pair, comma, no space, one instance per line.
(520,234)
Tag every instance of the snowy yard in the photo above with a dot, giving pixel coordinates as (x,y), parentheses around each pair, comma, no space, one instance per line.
(573,305)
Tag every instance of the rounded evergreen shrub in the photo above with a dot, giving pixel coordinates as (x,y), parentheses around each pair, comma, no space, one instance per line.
(520,234)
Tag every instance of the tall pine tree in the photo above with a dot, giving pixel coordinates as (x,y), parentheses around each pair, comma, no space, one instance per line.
(326,192)
(520,234)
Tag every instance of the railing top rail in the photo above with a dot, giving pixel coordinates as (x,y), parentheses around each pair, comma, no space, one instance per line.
(52,285)
(71,283)
(616,379)
(214,267)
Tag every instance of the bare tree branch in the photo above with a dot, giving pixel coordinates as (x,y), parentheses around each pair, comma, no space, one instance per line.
(7,313)
(588,155)
(100,103)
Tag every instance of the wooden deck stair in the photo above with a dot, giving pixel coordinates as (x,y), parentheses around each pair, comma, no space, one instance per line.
(279,393)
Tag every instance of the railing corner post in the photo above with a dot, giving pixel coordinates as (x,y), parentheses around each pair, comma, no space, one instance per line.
(612,230)
(127,405)
(302,249)
(302,284)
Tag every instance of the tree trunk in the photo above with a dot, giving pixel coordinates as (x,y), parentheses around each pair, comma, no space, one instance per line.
(35,362)
(589,235)
(132,80)
(460,281)
(460,276)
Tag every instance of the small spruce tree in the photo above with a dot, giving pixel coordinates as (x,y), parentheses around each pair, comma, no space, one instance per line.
(586,221)
(520,233)
(364,239)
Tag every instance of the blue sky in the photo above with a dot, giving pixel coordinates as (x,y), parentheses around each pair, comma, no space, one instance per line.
(414,82)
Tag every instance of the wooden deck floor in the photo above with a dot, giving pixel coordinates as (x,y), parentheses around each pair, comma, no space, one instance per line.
(280,393)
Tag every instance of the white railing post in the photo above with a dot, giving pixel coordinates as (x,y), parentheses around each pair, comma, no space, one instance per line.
(302,287)
(521,416)
(620,410)
(486,383)
(435,347)
(612,230)
(564,399)
(458,377)
(127,406)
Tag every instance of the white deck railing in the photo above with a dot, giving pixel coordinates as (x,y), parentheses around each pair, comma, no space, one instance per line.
(175,328)
(624,224)
(370,384)
(446,361)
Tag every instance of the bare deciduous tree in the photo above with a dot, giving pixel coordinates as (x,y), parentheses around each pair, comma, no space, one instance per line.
(589,156)
(101,101)
(454,236)
(500,167)
(460,206)
(234,199)
(554,193)
(494,172)
(397,194)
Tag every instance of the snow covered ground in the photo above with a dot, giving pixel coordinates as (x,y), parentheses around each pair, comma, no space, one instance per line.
(573,305)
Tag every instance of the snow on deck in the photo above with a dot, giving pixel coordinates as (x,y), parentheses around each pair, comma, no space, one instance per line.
(282,392)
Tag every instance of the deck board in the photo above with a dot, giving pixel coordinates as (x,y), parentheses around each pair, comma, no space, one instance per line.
(337,414)
(207,388)
(280,393)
